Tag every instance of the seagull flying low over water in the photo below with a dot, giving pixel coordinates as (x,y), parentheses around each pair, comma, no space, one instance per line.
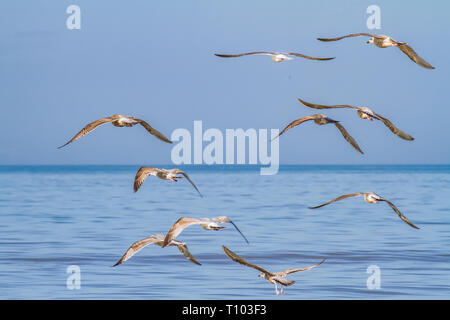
(370,197)
(117,120)
(321,119)
(163,174)
(205,223)
(271,277)
(382,41)
(275,56)
(364,113)
(157,239)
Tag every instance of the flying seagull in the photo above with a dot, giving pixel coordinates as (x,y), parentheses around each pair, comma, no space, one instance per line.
(117,120)
(205,223)
(364,113)
(164,174)
(275,56)
(271,277)
(370,197)
(157,239)
(321,119)
(382,41)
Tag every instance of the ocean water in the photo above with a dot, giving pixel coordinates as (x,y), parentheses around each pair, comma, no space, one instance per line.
(52,217)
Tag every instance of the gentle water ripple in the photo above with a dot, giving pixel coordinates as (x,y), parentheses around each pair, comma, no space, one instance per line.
(55,216)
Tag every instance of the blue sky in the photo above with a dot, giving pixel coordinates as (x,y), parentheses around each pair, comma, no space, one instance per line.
(155,60)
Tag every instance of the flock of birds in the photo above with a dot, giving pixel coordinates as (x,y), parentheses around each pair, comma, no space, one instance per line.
(276,278)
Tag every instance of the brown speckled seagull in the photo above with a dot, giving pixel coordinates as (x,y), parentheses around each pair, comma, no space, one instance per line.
(275,56)
(163,174)
(157,239)
(117,120)
(271,277)
(205,223)
(370,197)
(322,119)
(364,113)
(383,41)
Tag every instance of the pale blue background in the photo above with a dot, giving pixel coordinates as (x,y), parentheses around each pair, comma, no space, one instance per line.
(154,60)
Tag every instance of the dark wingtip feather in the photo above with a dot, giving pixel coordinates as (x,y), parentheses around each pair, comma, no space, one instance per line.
(117,263)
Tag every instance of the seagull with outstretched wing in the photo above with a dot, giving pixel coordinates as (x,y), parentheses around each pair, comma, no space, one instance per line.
(271,277)
(164,174)
(205,223)
(158,240)
(363,113)
(117,120)
(275,56)
(322,119)
(369,197)
(383,41)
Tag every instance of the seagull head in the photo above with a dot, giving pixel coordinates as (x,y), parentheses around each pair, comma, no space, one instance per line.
(372,197)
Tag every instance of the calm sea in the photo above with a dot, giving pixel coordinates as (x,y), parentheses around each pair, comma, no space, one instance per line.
(52,217)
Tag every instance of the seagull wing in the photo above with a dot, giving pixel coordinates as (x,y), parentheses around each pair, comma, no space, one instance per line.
(394,129)
(142,174)
(88,128)
(152,130)
(319,106)
(223,219)
(296,123)
(308,57)
(348,137)
(399,213)
(414,56)
(138,246)
(178,227)
(345,196)
(188,179)
(243,54)
(233,256)
(347,36)
(184,250)
(289,271)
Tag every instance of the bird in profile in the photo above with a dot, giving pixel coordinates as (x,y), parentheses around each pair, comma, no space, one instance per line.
(370,197)
(205,223)
(157,239)
(275,56)
(271,277)
(383,41)
(164,174)
(364,113)
(321,119)
(117,120)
